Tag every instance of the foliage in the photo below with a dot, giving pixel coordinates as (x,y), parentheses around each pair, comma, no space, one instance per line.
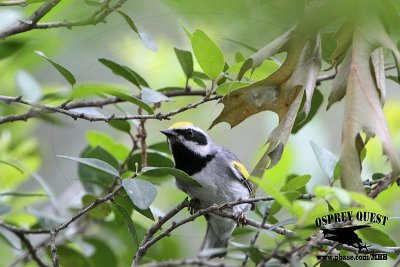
(124,208)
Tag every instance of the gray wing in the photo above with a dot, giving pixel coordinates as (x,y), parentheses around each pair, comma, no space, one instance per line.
(230,157)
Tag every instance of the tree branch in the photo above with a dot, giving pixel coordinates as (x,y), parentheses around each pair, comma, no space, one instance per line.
(32,23)
(21,26)
(21,234)
(14,3)
(81,115)
(188,262)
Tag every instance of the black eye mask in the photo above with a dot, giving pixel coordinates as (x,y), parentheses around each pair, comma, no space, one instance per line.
(192,135)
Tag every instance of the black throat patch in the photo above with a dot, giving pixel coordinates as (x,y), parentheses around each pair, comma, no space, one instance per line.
(188,161)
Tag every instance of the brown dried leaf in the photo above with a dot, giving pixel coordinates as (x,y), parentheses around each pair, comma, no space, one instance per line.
(363,110)
(339,84)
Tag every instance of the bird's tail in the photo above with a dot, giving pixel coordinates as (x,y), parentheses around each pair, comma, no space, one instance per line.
(218,232)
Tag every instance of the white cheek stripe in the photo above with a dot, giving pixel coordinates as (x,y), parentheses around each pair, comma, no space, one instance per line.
(202,150)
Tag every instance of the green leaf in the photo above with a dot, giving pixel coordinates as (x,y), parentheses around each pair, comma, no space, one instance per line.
(124,72)
(228,87)
(95,163)
(377,236)
(124,201)
(151,96)
(154,158)
(123,126)
(296,183)
(302,119)
(276,206)
(146,39)
(326,160)
(71,258)
(108,143)
(8,48)
(186,60)
(271,190)
(142,193)
(187,32)
(342,195)
(161,146)
(103,255)
(178,174)
(95,180)
(63,71)
(100,211)
(28,86)
(91,89)
(199,82)
(208,54)
(129,223)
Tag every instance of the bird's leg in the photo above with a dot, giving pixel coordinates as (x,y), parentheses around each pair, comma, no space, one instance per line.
(241,218)
(194,206)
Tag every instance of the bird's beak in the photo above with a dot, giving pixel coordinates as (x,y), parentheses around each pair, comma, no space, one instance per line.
(168,132)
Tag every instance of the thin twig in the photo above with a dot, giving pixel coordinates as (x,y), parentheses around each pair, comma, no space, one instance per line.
(14,3)
(188,262)
(32,23)
(31,250)
(81,115)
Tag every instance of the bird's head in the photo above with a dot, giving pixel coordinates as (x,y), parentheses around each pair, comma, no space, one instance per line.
(185,134)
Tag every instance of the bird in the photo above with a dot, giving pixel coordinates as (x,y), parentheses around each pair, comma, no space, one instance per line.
(223,178)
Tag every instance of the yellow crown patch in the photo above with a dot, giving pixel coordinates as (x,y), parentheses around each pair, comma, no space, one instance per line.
(180,124)
(240,167)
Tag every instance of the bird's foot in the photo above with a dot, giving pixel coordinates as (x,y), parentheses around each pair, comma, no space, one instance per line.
(241,218)
(194,206)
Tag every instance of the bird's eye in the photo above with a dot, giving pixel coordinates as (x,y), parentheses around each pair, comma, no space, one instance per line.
(189,132)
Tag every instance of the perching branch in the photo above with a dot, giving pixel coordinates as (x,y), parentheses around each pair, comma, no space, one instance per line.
(33,21)
(67,109)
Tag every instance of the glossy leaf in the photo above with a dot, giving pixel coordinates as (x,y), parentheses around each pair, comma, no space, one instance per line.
(208,54)
(71,257)
(199,82)
(104,255)
(63,71)
(95,163)
(296,183)
(146,39)
(142,193)
(178,174)
(123,126)
(185,60)
(124,72)
(377,236)
(326,160)
(129,223)
(150,96)
(279,197)
(95,180)
(302,118)
(100,211)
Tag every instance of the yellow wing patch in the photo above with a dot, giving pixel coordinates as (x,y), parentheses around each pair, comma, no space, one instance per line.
(180,124)
(240,167)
